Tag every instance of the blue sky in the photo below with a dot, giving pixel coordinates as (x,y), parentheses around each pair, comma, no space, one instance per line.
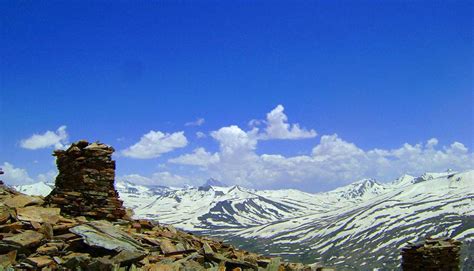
(378,75)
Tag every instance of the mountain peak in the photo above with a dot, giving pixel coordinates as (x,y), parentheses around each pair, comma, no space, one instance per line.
(366,181)
(213,182)
(364,188)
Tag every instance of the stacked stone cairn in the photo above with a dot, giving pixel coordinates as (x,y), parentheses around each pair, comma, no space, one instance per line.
(85,183)
(432,254)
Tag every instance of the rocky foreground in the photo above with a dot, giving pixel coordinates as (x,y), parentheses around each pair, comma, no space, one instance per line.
(33,237)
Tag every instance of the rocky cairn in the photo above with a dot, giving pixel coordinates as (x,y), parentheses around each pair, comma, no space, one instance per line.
(85,183)
(431,255)
(77,228)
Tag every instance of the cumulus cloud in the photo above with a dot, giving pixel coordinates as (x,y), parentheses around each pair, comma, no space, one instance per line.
(199,157)
(277,126)
(164,178)
(332,161)
(57,139)
(197,122)
(233,140)
(19,176)
(14,176)
(333,147)
(155,143)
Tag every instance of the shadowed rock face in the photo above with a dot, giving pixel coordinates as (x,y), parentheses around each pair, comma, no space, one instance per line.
(85,183)
(432,254)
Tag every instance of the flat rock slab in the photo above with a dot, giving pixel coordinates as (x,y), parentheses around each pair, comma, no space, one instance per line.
(25,239)
(22,201)
(104,234)
(40,261)
(39,214)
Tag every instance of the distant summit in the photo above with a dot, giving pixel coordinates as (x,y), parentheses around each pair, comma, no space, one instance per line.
(213,182)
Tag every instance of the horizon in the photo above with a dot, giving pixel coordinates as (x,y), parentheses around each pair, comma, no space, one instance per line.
(224,185)
(311,96)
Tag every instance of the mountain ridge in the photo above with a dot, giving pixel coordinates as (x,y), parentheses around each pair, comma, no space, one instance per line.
(365,218)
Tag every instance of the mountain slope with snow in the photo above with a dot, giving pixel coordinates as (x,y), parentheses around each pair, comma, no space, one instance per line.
(359,226)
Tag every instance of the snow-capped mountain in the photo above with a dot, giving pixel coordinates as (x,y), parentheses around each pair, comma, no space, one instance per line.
(213,182)
(38,189)
(359,226)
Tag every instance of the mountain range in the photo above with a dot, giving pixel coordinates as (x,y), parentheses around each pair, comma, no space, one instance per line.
(361,226)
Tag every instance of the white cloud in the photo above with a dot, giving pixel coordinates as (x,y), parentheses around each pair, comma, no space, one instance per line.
(197,122)
(279,128)
(255,123)
(332,161)
(199,157)
(19,176)
(333,147)
(158,178)
(155,143)
(200,135)
(15,176)
(57,139)
(234,141)
(48,177)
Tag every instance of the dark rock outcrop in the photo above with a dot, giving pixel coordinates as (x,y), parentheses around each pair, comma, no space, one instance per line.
(432,254)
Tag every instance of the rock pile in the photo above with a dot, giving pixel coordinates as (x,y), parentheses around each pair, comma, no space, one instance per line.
(34,237)
(85,183)
(432,254)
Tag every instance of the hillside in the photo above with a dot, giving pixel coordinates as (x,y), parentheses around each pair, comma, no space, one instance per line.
(363,224)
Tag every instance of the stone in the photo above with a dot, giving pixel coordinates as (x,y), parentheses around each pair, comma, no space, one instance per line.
(4,214)
(432,254)
(22,201)
(8,259)
(47,230)
(40,261)
(167,247)
(38,214)
(126,257)
(47,250)
(105,235)
(75,260)
(101,263)
(36,226)
(207,249)
(21,241)
(65,237)
(162,267)
(15,226)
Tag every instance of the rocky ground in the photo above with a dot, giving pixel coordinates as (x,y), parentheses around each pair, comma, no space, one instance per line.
(34,237)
